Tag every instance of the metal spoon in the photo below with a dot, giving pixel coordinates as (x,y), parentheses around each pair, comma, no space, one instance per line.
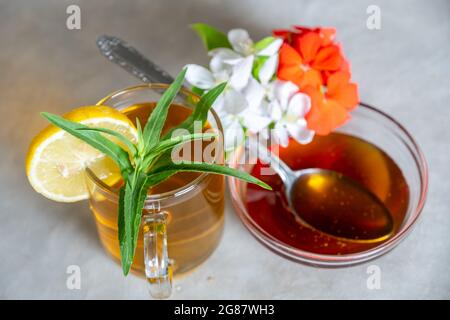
(322,199)
(331,202)
(130,59)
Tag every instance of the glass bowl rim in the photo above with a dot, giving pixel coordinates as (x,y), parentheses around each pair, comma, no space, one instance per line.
(172,194)
(326,260)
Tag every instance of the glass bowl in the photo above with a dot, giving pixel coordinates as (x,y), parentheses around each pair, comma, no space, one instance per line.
(378,128)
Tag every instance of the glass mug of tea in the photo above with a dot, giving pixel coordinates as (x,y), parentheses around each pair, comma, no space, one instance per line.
(183,217)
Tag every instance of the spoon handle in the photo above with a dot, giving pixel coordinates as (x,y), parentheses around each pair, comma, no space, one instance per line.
(268,157)
(127,57)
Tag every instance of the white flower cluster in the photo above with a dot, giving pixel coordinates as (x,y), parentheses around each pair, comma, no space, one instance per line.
(254,101)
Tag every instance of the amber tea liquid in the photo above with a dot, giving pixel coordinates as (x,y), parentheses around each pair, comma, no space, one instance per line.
(195,220)
(359,160)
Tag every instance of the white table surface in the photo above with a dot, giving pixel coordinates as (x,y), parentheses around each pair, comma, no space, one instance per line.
(404,69)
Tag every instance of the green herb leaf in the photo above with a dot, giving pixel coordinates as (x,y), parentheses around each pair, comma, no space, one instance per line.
(174,141)
(210,168)
(131,202)
(154,179)
(140,143)
(131,147)
(206,102)
(201,110)
(197,90)
(211,37)
(94,139)
(121,227)
(155,123)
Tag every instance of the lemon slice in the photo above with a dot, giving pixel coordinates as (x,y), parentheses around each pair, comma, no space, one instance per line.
(56,161)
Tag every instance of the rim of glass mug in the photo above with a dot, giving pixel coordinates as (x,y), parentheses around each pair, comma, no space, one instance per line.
(173,194)
(323,260)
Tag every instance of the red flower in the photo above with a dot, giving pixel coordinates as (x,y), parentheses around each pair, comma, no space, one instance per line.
(304,61)
(330,107)
(327,35)
(317,56)
(312,60)
(292,67)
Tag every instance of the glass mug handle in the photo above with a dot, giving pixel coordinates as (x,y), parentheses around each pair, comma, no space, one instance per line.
(158,268)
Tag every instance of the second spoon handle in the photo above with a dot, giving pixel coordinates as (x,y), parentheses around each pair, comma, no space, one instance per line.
(127,57)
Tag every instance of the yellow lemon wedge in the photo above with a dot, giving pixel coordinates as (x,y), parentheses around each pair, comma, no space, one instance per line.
(56,161)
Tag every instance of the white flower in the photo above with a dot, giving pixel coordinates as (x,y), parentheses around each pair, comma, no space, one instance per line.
(232,103)
(240,41)
(243,47)
(242,44)
(288,111)
(250,104)
(234,134)
(255,118)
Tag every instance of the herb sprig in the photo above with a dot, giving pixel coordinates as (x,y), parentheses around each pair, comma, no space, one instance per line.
(147,162)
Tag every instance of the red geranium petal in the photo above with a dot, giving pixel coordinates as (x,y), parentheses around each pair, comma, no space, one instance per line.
(308,45)
(291,73)
(327,35)
(288,56)
(302,28)
(311,78)
(342,91)
(345,66)
(325,114)
(284,34)
(328,58)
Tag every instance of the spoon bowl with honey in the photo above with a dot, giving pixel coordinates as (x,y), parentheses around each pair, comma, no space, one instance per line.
(332,203)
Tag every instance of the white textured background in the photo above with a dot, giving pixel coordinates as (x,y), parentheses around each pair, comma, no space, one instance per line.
(404,69)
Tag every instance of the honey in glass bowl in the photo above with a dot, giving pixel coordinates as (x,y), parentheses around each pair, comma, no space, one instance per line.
(355,158)
(372,148)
